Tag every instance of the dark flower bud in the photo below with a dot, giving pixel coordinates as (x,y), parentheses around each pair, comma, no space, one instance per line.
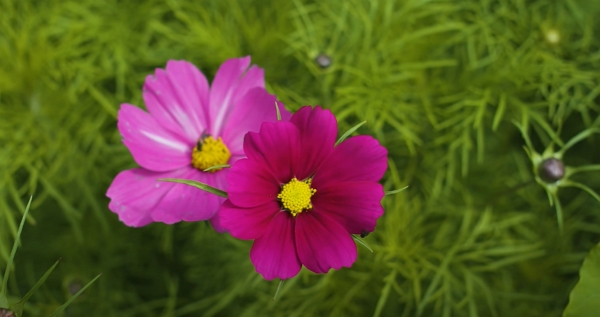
(6,313)
(551,170)
(74,287)
(323,60)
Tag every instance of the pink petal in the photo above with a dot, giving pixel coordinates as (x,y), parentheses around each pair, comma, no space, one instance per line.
(359,158)
(138,198)
(354,205)
(274,253)
(187,203)
(134,193)
(152,147)
(323,243)
(275,147)
(318,133)
(236,157)
(178,99)
(251,184)
(232,81)
(256,107)
(247,223)
(215,222)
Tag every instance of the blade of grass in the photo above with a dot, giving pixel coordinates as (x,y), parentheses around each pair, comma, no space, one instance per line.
(350,131)
(18,307)
(3,299)
(385,293)
(74,297)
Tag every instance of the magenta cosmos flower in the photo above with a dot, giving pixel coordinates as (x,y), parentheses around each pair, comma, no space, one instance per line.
(299,197)
(189,128)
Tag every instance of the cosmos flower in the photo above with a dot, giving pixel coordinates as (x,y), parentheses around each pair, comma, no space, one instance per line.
(188,128)
(300,197)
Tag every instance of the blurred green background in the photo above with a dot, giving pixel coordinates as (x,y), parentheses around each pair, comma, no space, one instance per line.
(446,86)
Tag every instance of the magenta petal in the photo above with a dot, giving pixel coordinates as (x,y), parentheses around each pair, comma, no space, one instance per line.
(318,133)
(251,184)
(247,223)
(256,107)
(232,81)
(134,193)
(178,99)
(359,158)
(323,243)
(187,203)
(152,147)
(354,205)
(215,222)
(275,147)
(274,253)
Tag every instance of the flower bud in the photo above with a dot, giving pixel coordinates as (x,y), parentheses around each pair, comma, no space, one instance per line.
(552,170)
(552,36)
(323,60)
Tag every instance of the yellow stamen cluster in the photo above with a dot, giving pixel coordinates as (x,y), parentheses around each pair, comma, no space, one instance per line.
(295,196)
(210,152)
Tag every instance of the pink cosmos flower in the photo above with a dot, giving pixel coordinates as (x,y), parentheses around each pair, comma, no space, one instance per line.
(299,197)
(189,128)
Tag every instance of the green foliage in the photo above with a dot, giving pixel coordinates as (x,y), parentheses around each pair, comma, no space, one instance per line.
(585,297)
(440,83)
(17,308)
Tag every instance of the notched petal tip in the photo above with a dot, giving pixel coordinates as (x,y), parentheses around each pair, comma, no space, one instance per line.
(274,253)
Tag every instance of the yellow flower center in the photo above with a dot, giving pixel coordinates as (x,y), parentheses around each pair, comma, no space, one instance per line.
(210,152)
(295,196)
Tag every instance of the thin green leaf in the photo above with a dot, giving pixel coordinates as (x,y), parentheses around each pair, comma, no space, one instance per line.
(584,300)
(385,293)
(500,112)
(584,168)
(278,288)
(350,131)
(395,191)
(74,297)
(217,166)
(18,307)
(196,184)
(581,186)
(525,136)
(582,135)
(362,242)
(3,299)
(559,213)
(277,111)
